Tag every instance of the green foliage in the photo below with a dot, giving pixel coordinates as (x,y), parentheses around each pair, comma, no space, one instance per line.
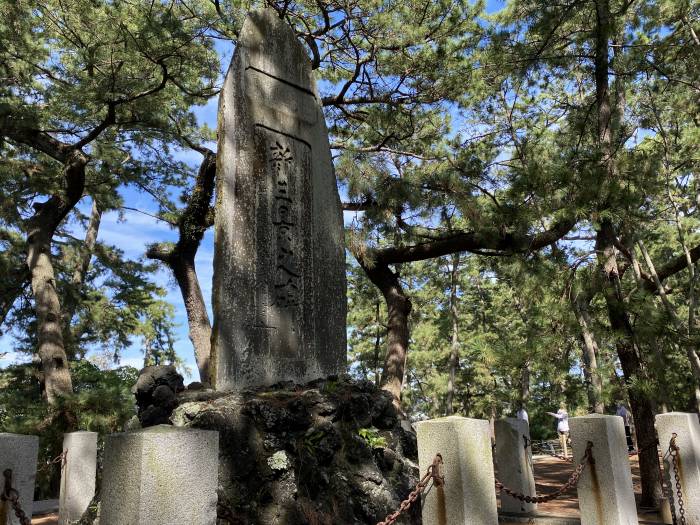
(102,403)
(372,437)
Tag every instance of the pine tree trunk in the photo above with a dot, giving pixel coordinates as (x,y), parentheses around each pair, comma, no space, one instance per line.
(594,382)
(197,315)
(398,309)
(627,350)
(89,245)
(525,383)
(194,221)
(56,379)
(630,360)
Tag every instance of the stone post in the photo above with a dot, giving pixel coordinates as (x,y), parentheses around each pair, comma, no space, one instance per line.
(468,496)
(687,429)
(605,492)
(19,453)
(160,475)
(77,475)
(514,463)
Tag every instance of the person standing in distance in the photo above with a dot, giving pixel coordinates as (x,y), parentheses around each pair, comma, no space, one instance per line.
(627,421)
(562,427)
(522,413)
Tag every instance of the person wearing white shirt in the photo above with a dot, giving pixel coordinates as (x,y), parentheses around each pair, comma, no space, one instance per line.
(627,421)
(522,414)
(562,427)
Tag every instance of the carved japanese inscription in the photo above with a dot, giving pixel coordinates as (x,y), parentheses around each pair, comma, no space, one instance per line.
(284,243)
(288,272)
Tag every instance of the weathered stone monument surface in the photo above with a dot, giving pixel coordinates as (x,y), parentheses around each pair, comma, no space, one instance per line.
(78,473)
(279,271)
(162,475)
(19,452)
(514,461)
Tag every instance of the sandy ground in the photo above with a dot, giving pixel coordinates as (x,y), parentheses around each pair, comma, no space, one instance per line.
(551,473)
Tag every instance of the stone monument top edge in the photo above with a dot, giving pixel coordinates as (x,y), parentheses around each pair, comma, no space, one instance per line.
(271,47)
(10,434)
(450,419)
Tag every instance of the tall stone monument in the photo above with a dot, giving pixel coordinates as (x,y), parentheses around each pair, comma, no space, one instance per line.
(279,266)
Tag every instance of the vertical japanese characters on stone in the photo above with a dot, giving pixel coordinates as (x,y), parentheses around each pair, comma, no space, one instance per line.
(279,267)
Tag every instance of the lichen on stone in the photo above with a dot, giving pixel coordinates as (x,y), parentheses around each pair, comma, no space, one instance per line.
(279,461)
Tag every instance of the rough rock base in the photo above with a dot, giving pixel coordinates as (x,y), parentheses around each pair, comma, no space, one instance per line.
(329,452)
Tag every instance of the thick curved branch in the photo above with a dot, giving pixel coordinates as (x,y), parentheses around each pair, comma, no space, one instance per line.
(491,243)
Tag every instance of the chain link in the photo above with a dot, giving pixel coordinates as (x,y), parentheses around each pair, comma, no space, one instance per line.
(544,450)
(673,451)
(10,494)
(571,482)
(432,474)
(62,458)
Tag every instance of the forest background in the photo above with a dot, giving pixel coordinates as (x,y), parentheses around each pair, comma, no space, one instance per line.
(519,185)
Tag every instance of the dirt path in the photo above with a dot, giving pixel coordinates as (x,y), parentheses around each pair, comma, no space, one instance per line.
(551,473)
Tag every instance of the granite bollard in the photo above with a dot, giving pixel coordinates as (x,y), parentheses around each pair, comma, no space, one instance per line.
(514,461)
(468,496)
(687,429)
(161,475)
(605,491)
(19,452)
(77,475)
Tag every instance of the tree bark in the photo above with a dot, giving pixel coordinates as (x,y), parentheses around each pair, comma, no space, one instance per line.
(197,315)
(56,379)
(454,339)
(627,349)
(180,257)
(89,245)
(590,355)
(632,367)
(398,309)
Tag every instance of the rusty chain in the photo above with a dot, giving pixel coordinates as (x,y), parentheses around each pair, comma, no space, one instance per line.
(543,450)
(62,458)
(432,474)
(571,482)
(10,494)
(673,451)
